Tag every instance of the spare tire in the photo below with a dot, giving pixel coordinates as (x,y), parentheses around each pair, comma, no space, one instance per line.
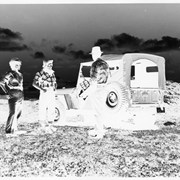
(117,97)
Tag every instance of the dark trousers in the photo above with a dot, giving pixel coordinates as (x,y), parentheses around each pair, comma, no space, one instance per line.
(15,109)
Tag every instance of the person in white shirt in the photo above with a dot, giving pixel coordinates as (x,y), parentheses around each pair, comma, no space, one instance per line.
(45,82)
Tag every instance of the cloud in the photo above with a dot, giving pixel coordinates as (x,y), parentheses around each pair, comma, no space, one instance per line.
(46,42)
(120,41)
(38,55)
(123,43)
(165,43)
(107,44)
(126,40)
(12,46)
(33,44)
(68,51)
(70,45)
(11,41)
(59,49)
(71,59)
(7,34)
(80,54)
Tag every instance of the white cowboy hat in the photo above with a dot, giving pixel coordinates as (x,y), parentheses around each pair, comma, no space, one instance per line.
(96,49)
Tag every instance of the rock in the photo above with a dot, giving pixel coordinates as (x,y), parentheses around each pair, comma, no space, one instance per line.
(169,123)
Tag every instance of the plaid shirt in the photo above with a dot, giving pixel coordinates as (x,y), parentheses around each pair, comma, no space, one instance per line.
(45,80)
(12,80)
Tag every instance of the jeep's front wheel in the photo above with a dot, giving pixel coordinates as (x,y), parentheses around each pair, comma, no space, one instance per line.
(59,112)
(116,98)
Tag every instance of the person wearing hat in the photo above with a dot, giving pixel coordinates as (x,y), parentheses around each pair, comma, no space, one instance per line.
(12,85)
(99,72)
(96,91)
(96,53)
(45,82)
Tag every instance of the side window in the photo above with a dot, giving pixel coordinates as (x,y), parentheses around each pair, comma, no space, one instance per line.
(86,71)
(132,72)
(152,69)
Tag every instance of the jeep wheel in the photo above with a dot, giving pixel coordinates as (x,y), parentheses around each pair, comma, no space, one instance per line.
(117,97)
(59,112)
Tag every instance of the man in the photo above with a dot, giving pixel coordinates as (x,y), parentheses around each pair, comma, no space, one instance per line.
(96,53)
(99,73)
(12,85)
(96,91)
(45,82)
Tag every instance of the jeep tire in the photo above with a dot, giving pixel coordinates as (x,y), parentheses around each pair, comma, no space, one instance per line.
(117,98)
(59,112)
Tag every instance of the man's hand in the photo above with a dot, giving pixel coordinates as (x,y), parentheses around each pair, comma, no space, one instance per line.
(44,90)
(91,89)
(83,95)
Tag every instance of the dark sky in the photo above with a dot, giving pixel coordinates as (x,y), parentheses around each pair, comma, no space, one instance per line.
(66,33)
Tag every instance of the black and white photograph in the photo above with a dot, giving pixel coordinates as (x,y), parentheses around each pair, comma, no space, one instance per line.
(89,89)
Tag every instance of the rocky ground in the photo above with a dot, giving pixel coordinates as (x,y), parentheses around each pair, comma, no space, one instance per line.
(70,152)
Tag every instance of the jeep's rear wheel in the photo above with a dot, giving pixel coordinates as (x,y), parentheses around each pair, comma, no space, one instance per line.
(116,98)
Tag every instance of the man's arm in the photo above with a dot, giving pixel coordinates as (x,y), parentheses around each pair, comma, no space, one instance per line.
(88,90)
(3,81)
(36,83)
(37,86)
(2,85)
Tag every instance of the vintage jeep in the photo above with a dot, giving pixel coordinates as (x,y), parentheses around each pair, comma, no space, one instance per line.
(137,83)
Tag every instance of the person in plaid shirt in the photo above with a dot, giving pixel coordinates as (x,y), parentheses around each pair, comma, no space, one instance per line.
(12,85)
(45,82)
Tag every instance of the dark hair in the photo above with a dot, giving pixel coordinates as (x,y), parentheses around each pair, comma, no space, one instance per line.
(99,64)
(15,59)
